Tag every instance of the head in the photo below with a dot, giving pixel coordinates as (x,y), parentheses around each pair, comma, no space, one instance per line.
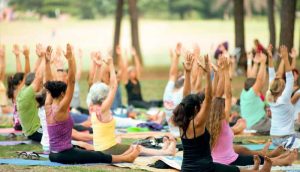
(276,88)
(29,78)
(215,118)
(187,110)
(132,73)
(179,82)
(62,75)
(256,42)
(57,89)
(40,98)
(224,46)
(97,94)
(13,82)
(249,83)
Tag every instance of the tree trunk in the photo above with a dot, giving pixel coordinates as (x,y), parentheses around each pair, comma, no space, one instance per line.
(119,15)
(239,30)
(271,22)
(287,17)
(134,27)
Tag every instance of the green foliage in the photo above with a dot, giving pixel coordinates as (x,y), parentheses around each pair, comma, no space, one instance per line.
(183,9)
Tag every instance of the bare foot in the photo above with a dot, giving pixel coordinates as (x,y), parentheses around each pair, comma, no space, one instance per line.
(264,151)
(295,153)
(166,142)
(276,152)
(286,161)
(130,157)
(171,150)
(256,160)
(267,165)
(128,150)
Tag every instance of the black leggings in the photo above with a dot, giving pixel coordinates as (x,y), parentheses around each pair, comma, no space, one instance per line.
(244,160)
(146,104)
(80,156)
(36,136)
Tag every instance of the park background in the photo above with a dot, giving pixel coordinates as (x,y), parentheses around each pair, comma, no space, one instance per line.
(90,25)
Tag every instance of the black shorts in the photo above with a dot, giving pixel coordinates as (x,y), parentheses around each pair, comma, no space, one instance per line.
(244,160)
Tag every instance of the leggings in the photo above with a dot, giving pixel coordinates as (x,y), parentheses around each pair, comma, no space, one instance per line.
(36,136)
(146,104)
(244,160)
(79,156)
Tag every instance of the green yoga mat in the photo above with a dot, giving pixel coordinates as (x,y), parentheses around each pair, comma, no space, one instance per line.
(137,129)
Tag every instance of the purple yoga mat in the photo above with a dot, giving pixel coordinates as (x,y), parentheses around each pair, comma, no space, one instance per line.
(12,143)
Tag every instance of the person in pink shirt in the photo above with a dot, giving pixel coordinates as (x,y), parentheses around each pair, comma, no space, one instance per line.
(221,141)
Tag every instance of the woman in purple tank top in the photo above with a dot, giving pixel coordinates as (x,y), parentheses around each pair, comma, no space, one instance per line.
(59,123)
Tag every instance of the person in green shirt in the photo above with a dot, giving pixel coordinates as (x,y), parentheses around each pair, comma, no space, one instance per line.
(27,105)
(252,106)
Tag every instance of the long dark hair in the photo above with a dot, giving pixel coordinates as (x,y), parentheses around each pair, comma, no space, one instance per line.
(12,83)
(187,110)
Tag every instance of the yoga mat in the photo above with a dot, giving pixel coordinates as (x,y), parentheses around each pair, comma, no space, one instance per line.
(141,135)
(25,162)
(256,147)
(12,143)
(7,131)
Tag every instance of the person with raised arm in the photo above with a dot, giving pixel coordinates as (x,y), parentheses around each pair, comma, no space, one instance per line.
(59,96)
(279,98)
(252,106)
(221,140)
(27,106)
(296,90)
(100,100)
(173,93)
(133,87)
(191,116)
(5,108)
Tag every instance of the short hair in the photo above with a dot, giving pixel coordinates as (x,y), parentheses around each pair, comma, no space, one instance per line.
(249,83)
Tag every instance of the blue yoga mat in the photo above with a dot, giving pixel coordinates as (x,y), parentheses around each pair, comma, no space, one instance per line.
(256,147)
(25,162)
(14,142)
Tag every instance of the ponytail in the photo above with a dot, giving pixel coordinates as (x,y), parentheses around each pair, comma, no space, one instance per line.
(10,87)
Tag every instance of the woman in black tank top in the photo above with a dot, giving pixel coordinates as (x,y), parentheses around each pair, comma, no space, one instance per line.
(190,116)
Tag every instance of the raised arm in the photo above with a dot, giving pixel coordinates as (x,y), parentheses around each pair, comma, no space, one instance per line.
(288,90)
(201,117)
(27,61)
(2,63)
(253,70)
(92,69)
(258,85)
(48,73)
(98,65)
(220,84)
(187,65)
(39,52)
(137,63)
(174,62)
(195,71)
(293,55)
(249,63)
(295,98)
(227,90)
(65,103)
(113,84)
(125,66)
(16,51)
(271,69)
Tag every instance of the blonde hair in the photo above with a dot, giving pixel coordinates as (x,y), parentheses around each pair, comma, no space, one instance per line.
(275,89)
(215,118)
